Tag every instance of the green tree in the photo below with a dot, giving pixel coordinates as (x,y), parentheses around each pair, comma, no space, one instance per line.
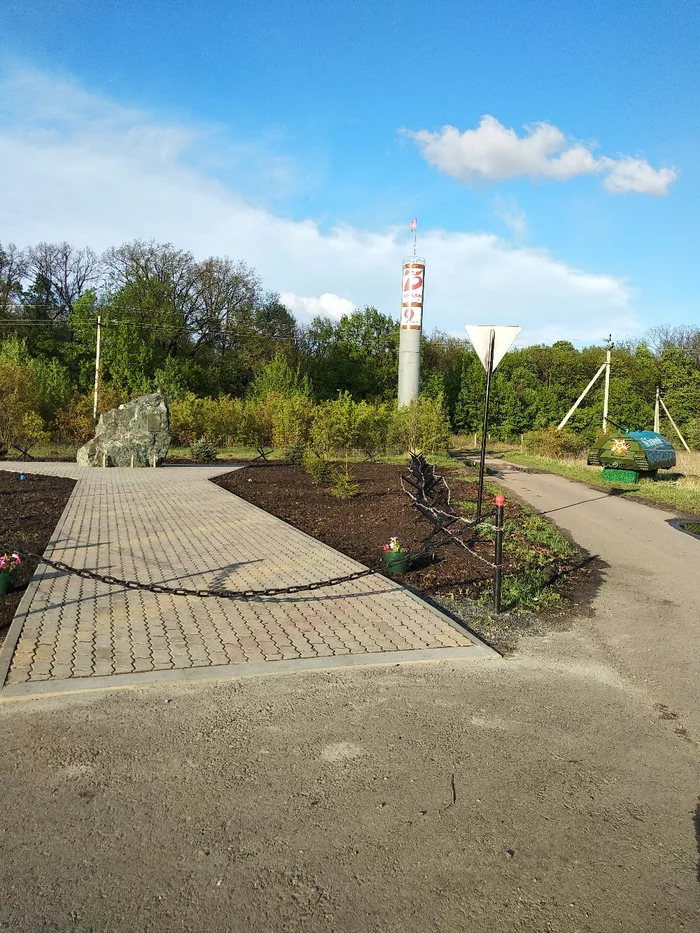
(358,354)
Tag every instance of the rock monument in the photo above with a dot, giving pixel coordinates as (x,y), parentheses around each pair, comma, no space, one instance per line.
(139,430)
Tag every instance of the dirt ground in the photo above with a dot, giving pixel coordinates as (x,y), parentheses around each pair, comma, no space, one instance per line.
(29,512)
(543,794)
(553,792)
(362,525)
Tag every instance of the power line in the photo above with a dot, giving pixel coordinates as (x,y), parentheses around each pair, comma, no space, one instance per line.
(185,329)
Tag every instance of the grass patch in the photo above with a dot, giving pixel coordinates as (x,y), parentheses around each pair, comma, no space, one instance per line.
(46,452)
(544,555)
(532,544)
(244,454)
(678,490)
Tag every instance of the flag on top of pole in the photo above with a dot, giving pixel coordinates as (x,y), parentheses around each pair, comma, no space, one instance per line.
(413,224)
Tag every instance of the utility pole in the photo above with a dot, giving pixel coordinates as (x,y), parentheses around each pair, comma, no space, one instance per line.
(606,396)
(657,411)
(97,365)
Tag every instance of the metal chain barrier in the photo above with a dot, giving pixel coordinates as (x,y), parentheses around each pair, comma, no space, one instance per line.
(181,590)
(433,499)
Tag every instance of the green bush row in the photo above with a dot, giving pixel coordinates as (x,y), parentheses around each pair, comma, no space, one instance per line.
(548,442)
(295,421)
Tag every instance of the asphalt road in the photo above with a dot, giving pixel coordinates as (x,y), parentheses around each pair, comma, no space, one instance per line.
(556,791)
(647,614)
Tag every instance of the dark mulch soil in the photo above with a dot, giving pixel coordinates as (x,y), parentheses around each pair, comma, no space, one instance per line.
(362,525)
(29,512)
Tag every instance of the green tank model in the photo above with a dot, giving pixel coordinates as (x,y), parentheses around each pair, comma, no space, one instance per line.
(626,454)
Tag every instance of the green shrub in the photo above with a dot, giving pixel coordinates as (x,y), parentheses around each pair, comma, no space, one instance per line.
(203,451)
(372,426)
(277,377)
(291,420)
(73,421)
(222,420)
(256,428)
(318,468)
(345,486)
(335,424)
(20,422)
(295,452)
(219,419)
(422,426)
(691,433)
(187,419)
(548,442)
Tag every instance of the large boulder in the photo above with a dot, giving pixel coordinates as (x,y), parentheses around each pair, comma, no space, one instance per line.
(139,429)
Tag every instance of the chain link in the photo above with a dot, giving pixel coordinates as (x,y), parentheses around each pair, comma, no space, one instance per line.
(181,590)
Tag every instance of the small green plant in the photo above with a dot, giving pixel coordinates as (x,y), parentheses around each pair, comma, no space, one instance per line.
(527,590)
(203,451)
(295,452)
(318,468)
(345,486)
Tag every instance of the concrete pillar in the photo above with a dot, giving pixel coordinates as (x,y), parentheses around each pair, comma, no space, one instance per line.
(411,330)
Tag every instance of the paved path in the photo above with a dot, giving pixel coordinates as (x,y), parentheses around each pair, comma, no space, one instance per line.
(647,614)
(172,525)
(552,791)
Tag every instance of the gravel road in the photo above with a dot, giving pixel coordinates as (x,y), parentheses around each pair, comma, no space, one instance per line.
(552,792)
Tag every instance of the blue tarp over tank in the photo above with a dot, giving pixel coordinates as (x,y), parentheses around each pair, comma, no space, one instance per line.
(659,451)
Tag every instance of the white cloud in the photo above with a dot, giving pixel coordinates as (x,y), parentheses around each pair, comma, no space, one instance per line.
(79,168)
(492,153)
(514,217)
(636,175)
(328,305)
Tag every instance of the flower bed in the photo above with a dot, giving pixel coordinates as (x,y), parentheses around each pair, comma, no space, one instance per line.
(535,554)
(29,512)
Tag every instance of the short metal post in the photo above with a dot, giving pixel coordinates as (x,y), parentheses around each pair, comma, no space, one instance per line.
(498,559)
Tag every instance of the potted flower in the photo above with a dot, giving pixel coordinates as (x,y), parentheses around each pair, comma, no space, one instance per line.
(8,564)
(396,557)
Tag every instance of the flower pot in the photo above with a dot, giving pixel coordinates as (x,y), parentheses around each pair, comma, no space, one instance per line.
(6,581)
(397,561)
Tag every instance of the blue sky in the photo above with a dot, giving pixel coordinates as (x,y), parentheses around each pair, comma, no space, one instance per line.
(303,138)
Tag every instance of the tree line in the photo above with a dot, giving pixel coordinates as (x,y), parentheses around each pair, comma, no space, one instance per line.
(208,329)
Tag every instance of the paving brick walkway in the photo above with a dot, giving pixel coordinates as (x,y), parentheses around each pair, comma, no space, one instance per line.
(173,526)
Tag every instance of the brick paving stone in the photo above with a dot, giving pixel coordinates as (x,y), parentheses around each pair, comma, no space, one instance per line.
(174,525)
(235,657)
(17,677)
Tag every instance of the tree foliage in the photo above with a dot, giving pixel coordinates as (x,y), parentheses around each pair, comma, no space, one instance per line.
(235,364)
